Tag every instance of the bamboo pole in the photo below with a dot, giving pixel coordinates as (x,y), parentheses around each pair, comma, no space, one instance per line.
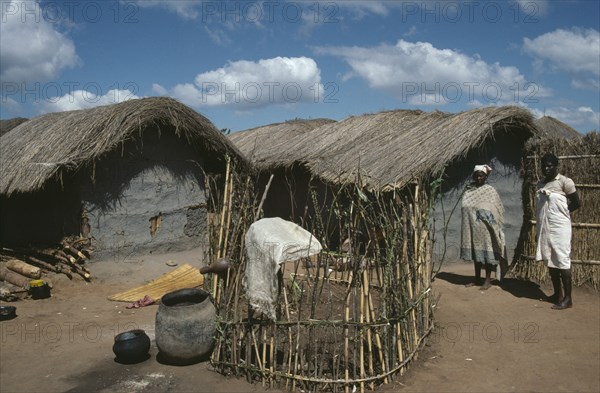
(573,261)
(575,224)
(587,185)
(222,224)
(346,338)
(229,203)
(262,200)
(571,157)
(272,354)
(365,301)
(377,336)
(289,329)
(399,346)
(264,353)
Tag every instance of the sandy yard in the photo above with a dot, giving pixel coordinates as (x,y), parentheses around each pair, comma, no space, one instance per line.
(501,340)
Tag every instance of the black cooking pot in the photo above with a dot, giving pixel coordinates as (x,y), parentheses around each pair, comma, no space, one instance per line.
(7,312)
(132,346)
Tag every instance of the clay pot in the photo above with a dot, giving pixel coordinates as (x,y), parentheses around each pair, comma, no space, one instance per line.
(7,312)
(131,346)
(185,326)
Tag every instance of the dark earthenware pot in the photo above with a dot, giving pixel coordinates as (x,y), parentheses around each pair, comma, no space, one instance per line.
(131,346)
(40,292)
(185,326)
(7,312)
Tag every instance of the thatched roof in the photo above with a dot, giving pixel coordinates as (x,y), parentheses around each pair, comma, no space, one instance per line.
(553,128)
(37,150)
(9,124)
(389,148)
(263,144)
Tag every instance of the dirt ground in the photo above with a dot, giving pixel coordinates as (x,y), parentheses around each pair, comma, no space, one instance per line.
(500,340)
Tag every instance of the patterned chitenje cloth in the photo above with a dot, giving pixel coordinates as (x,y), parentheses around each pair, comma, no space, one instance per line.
(482,221)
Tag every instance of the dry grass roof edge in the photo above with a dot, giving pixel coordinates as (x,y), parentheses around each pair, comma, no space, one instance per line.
(37,150)
(387,149)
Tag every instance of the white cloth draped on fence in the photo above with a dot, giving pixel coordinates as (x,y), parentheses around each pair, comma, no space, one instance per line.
(269,243)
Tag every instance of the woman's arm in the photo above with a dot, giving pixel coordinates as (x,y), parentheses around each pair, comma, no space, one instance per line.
(573,201)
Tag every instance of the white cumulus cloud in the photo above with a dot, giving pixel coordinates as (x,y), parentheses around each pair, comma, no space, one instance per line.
(280,80)
(420,73)
(33,50)
(82,99)
(574,51)
(187,9)
(533,8)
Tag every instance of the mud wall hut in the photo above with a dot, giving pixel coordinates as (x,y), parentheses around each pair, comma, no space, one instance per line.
(388,149)
(505,156)
(130,176)
(263,146)
(356,315)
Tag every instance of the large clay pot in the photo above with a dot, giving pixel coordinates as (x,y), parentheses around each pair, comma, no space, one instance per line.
(185,326)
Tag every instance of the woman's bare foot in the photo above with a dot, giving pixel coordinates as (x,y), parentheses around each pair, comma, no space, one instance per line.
(486,285)
(477,283)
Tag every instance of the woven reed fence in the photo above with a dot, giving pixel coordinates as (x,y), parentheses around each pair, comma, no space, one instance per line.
(346,320)
(579,160)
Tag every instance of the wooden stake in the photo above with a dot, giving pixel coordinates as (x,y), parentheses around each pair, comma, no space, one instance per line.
(365,301)
(215,277)
(377,337)
(399,346)
(264,353)
(272,354)
(346,339)
(262,200)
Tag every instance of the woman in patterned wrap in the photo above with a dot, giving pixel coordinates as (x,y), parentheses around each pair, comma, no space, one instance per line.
(482,239)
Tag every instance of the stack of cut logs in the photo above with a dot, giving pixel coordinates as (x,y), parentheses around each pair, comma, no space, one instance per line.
(18,266)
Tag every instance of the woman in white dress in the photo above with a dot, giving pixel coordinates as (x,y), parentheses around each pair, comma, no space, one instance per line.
(556,199)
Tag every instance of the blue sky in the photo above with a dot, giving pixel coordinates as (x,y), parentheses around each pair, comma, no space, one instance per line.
(244,64)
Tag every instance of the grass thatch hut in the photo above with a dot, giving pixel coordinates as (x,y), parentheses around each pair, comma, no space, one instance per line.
(551,128)
(9,124)
(357,314)
(131,176)
(264,147)
(390,149)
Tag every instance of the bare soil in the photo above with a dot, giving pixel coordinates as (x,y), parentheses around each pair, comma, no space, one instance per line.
(500,340)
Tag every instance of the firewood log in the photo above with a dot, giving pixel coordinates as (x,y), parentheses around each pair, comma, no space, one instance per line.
(73,251)
(13,277)
(23,268)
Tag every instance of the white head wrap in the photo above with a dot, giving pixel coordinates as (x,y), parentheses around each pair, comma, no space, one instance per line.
(483,168)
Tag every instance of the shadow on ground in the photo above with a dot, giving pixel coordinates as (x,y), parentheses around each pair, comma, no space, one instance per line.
(517,288)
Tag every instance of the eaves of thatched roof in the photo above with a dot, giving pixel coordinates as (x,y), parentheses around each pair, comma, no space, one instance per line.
(262,145)
(552,128)
(38,149)
(388,149)
(9,124)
